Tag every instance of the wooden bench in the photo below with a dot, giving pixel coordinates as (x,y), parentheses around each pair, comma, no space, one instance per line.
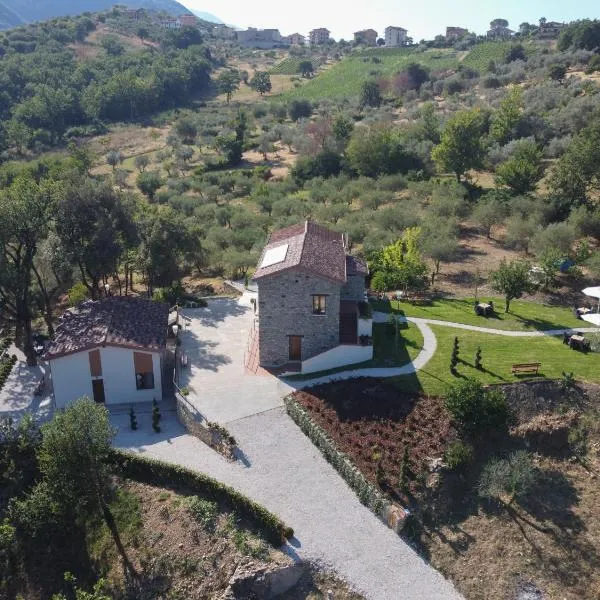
(526,368)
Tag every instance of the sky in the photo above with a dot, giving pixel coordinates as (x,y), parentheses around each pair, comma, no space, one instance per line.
(424,19)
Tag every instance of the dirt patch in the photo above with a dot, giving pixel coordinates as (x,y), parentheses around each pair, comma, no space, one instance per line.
(280,162)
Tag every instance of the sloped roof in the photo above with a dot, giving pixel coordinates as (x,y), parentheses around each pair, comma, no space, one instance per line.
(117,321)
(310,248)
(355,266)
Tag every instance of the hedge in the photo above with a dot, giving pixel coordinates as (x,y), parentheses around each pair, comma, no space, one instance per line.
(367,493)
(156,472)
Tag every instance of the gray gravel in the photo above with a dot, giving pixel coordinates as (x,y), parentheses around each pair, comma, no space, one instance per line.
(288,475)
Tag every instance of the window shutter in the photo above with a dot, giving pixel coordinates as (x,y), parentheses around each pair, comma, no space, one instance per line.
(95,363)
(142,362)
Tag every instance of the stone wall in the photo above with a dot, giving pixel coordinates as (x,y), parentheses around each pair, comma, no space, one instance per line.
(285,309)
(354,288)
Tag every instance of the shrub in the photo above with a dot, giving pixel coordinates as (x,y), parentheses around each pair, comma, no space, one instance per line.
(156,416)
(300,109)
(510,477)
(476,408)
(204,511)
(458,455)
(132,419)
(77,294)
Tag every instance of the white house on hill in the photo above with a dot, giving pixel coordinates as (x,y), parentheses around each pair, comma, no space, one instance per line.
(111,350)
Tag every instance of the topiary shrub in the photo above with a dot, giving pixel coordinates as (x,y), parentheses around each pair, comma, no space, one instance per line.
(156,416)
(132,419)
(476,408)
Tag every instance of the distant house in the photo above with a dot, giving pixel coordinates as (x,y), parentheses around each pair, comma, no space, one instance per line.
(170,23)
(311,296)
(319,36)
(295,39)
(366,36)
(395,36)
(260,38)
(188,20)
(456,33)
(112,350)
(550,29)
(133,13)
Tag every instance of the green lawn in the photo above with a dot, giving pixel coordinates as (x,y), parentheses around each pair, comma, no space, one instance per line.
(344,79)
(523,316)
(387,351)
(499,353)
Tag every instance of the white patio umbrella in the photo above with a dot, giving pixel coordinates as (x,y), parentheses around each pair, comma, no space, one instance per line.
(593,292)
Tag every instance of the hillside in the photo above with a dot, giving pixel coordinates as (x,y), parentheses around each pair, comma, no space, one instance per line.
(17,12)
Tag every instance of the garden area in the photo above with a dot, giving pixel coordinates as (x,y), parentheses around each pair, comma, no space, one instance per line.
(523,315)
(501,482)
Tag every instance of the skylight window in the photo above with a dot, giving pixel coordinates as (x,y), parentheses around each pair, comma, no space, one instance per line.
(274,256)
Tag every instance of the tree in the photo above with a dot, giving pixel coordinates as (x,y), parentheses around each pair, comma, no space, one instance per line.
(112,45)
(149,182)
(265,145)
(417,74)
(498,23)
(343,126)
(228,82)
(584,34)
(261,82)
(557,72)
(523,170)
(114,158)
(95,226)
(300,109)
(306,69)
(141,162)
(429,124)
(26,208)
(460,148)
(512,279)
(439,242)
(370,95)
(377,149)
(143,33)
(490,210)
(231,147)
(400,265)
(508,116)
(507,479)
(380,42)
(187,130)
(515,52)
(576,176)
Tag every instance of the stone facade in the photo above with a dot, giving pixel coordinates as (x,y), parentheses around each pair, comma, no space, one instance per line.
(285,309)
(354,288)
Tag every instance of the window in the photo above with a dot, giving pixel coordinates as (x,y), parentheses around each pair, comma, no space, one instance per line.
(144,373)
(319,305)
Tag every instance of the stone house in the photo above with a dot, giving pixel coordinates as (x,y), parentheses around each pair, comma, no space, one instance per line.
(366,36)
(311,297)
(395,36)
(550,29)
(295,39)
(188,20)
(112,350)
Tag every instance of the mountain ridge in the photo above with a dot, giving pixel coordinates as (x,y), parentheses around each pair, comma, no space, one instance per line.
(14,13)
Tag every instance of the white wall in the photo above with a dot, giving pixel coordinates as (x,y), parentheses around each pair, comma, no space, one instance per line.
(337,357)
(365,327)
(71,377)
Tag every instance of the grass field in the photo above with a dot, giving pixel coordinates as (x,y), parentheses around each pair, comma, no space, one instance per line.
(498,354)
(523,316)
(345,78)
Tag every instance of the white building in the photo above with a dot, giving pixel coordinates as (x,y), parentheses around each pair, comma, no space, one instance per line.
(261,38)
(112,350)
(395,36)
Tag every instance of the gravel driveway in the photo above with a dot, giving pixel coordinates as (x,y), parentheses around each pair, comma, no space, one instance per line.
(280,467)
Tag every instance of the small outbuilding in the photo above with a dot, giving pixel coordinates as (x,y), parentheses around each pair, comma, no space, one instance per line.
(112,350)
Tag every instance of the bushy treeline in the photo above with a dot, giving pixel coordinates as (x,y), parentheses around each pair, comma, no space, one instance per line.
(47,93)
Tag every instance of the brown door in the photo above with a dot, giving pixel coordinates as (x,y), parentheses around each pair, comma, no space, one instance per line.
(98,387)
(295,347)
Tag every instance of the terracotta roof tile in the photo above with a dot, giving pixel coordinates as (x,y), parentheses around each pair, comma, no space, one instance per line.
(117,321)
(311,248)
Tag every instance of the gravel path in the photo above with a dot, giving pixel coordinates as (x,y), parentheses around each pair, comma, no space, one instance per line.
(287,474)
